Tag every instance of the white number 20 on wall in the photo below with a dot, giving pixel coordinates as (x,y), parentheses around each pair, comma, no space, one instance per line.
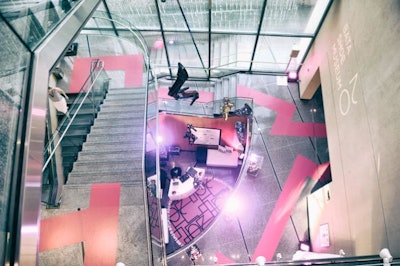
(345,99)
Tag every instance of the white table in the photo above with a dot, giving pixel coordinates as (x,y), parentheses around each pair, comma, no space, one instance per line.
(179,190)
(222,159)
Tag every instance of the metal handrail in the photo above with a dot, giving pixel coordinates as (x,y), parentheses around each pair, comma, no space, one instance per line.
(369,260)
(99,67)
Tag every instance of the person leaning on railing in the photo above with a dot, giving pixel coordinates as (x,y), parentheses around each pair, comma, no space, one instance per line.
(59,99)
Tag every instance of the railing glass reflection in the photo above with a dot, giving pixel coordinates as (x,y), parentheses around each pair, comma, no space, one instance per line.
(90,96)
(33,20)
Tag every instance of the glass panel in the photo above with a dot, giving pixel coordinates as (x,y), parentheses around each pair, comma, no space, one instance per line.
(32,20)
(195,13)
(292,16)
(158,229)
(181,49)
(158,57)
(140,13)
(315,17)
(236,15)
(85,106)
(13,74)
(231,52)
(273,53)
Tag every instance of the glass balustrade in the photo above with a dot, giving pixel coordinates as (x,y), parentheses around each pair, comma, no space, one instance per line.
(85,105)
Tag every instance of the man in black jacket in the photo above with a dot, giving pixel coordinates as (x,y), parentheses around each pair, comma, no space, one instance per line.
(182,93)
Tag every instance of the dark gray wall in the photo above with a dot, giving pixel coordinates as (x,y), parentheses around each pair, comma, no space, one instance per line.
(356,53)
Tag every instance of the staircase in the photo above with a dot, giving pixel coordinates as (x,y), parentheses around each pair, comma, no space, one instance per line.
(114,145)
(80,127)
(112,153)
(225,87)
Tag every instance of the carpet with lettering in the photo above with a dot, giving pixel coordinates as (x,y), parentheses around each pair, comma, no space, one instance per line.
(189,217)
(154,216)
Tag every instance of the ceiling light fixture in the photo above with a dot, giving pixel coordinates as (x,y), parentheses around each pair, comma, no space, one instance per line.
(292,76)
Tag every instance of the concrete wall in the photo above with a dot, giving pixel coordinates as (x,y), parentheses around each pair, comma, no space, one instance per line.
(356,56)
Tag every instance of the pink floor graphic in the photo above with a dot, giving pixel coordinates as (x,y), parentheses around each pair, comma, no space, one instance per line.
(96,227)
(132,65)
(283,124)
(301,170)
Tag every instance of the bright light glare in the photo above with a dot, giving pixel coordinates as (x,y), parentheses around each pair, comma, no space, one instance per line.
(159,139)
(292,75)
(232,206)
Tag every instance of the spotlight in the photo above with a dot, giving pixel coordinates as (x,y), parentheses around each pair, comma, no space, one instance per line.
(386,256)
(260,260)
(304,246)
(292,76)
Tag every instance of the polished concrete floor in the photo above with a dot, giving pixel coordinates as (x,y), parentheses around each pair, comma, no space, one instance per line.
(262,226)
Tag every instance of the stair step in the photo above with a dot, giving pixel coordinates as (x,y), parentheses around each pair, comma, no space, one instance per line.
(100,165)
(70,150)
(101,156)
(88,100)
(124,184)
(132,177)
(83,118)
(118,115)
(119,122)
(72,141)
(124,96)
(129,107)
(125,99)
(105,171)
(77,131)
(125,137)
(83,111)
(111,130)
(111,147)
(134,89)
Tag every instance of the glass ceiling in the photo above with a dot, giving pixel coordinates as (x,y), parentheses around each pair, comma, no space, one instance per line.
(212,38)
(219,37)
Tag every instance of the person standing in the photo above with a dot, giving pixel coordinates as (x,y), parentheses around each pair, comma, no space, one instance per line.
(59,99)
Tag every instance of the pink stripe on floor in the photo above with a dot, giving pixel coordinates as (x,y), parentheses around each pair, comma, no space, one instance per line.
(283,124)
(301,170)
(132,65)
(269,241)
(96,226)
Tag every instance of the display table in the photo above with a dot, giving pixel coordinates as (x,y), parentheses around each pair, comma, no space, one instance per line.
(222,159)
(180,190)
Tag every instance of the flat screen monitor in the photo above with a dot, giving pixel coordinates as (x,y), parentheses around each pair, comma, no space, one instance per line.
(206,136)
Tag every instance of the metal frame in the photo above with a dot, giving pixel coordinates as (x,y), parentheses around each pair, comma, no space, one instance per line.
(45,57)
